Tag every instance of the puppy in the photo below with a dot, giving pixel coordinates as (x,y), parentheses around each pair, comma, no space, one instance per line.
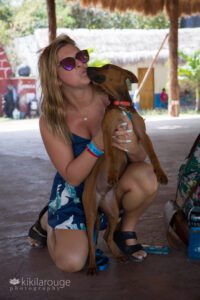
(110,166)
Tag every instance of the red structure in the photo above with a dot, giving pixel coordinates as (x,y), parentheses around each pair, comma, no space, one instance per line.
(23,85)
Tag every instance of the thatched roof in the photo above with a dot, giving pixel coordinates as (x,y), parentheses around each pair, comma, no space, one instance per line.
(127,46)
(147,7)
(120,46)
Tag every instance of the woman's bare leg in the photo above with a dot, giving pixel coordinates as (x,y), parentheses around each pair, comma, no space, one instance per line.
(67,248)
(137,189)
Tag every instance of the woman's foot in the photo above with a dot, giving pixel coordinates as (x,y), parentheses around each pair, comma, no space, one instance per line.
(37,236)
(127,243)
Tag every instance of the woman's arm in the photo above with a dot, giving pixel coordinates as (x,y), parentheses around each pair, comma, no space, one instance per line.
(73,170)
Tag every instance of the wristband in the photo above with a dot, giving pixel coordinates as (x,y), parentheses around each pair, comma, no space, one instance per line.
(88,150)
(92,149)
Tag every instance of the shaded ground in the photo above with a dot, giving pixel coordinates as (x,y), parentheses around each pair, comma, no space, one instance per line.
(25,182)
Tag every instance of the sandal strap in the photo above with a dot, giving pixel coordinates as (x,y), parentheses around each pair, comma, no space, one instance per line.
(43,212)
(121,236)
(125,235)
(33,234)
(132,249)
(36,231)
(39,228)
(38,224)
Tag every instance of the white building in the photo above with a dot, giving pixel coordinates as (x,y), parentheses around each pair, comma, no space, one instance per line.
(130,48)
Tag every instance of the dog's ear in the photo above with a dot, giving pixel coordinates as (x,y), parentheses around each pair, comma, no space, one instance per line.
(131,77)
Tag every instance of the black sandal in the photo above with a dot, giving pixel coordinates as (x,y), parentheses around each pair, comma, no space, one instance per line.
(120,238)
(37,236)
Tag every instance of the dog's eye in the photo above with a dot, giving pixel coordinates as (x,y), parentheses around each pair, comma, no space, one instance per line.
(99,78)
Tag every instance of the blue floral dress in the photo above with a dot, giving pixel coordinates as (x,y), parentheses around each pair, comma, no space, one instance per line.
(65,209)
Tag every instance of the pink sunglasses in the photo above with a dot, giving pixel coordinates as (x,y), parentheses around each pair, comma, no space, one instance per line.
(69,63)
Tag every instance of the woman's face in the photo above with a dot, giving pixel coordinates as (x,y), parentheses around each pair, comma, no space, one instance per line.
(77,77)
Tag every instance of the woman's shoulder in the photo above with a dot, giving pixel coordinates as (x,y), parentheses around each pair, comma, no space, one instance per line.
(43,125)
(42,121)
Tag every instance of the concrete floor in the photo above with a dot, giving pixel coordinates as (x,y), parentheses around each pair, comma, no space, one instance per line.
(25,181)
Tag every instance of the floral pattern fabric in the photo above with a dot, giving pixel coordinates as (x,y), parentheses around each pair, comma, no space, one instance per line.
(65,209)
(189,176)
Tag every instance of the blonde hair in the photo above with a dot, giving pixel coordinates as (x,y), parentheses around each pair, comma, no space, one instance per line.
(52,100)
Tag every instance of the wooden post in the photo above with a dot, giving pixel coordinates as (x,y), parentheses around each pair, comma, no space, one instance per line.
(174,101)
(51,11)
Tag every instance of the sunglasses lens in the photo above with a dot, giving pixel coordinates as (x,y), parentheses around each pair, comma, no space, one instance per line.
(83,56)
(68,63)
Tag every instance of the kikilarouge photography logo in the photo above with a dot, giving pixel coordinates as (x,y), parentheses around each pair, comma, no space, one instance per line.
(35,284)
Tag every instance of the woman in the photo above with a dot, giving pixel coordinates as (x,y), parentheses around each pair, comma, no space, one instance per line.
(72,112)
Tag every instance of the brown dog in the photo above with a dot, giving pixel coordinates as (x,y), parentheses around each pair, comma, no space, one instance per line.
(109,167)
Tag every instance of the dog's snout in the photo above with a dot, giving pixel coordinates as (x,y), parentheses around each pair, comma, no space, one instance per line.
(91,71)
(93,74)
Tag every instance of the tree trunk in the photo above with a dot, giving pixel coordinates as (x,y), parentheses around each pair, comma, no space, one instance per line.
(174,101)
(197,100)
(51,11)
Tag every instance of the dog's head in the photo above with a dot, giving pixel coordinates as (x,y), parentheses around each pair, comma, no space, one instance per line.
(112,79)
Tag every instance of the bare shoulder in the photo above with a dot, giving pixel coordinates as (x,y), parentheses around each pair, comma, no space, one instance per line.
(44,130)
(44,127)
(42,122)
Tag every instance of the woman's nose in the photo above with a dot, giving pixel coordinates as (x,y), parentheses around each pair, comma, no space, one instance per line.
(79,63)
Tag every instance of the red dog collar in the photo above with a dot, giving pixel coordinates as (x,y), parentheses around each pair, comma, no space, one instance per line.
(122,103)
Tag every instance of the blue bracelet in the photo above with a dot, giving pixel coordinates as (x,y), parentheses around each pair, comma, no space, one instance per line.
(97,152)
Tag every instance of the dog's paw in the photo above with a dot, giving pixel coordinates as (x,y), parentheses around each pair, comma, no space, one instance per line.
(122,258)
(161,176)
(92,270)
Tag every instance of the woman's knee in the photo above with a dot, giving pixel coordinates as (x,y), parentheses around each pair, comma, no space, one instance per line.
(70,263)
(70,249)
(140,175)
(150,183)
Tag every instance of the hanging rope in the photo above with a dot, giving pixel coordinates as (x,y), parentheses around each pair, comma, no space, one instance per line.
(137,92)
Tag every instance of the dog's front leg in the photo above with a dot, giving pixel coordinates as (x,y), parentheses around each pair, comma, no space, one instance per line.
(115,158)
(111,209)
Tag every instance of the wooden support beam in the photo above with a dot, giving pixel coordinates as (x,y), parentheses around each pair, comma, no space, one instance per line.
(51,11)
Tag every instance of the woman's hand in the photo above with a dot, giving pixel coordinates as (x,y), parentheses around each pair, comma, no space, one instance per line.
(125,139)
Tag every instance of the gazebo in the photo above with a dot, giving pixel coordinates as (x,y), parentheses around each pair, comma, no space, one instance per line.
(173,8)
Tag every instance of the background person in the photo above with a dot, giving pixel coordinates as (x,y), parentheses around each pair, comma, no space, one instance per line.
(11,101)
(164,98)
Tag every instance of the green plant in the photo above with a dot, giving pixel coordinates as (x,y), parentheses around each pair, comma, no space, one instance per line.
(96,62)
(190,71)
(5,22)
